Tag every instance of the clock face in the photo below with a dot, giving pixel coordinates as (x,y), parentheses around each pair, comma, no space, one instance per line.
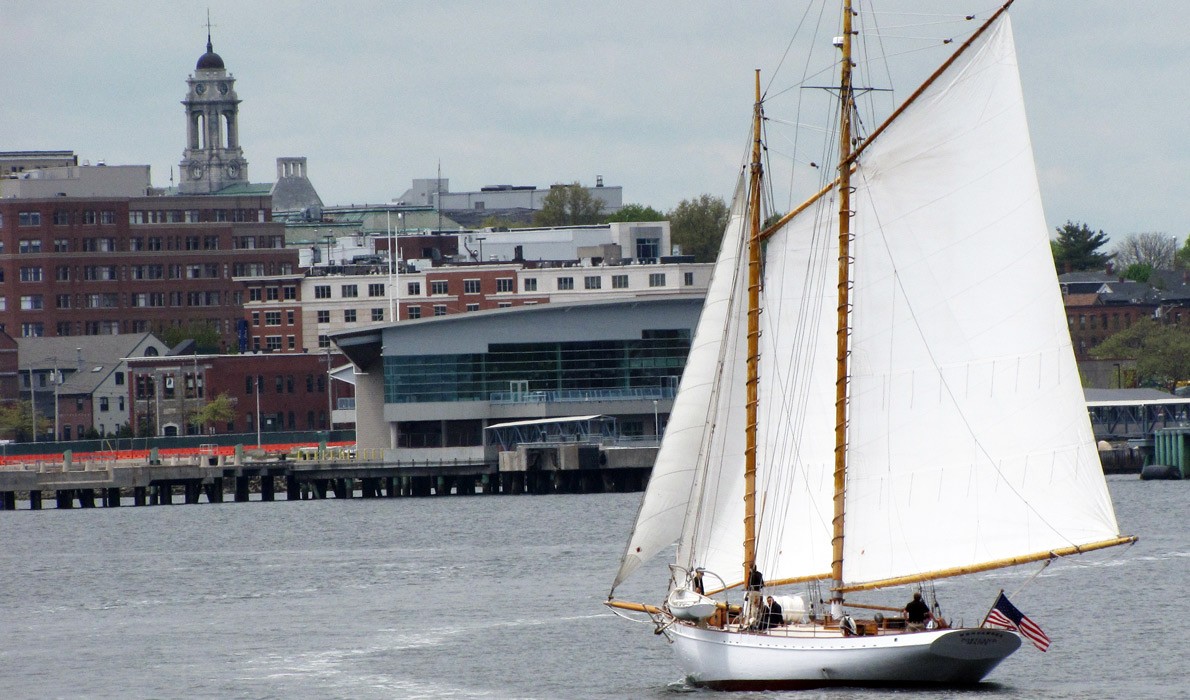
(222,88)
(200,88)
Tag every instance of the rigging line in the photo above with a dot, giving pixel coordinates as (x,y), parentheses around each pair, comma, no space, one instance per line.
(788,48)
(1029,580)
(950,392)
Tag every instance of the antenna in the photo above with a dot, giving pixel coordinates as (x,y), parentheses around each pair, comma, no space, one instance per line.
(210,49)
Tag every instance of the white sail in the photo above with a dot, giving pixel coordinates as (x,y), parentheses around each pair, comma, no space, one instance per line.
(683,448)
(969,438)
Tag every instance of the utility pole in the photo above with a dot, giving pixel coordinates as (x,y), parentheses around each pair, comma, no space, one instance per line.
(33,403)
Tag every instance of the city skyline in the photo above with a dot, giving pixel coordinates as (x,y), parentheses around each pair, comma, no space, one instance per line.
(654,99)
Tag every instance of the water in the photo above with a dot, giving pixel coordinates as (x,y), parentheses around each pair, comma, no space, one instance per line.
(485,597)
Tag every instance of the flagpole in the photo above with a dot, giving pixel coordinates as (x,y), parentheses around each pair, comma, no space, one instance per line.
(989,612)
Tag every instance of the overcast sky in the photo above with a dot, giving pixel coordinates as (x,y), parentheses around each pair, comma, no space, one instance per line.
(653,96)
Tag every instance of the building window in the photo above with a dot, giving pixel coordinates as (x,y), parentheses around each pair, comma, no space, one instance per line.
(656,279)
(565,283)
(103,404)
(592,283)
(470,286)
(530,284)
(473,307)
(413,312)
(504,285)
(272,343)
(289,292)
(30,274)
(349,291)
(439,309)
(376,289)
(688,279)
(349,315)
(619,281)
(648,248)
(29,218)
(324,316)
(31,302)
(29,245)
(322,291)
(61,245)
(439,287)
(289,317)
(61,217)
(255,318)
(414,289)
(377,315)
(272,318)
(324,341)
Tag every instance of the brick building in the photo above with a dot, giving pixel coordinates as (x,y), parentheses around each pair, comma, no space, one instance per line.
(104,266)
(275,391)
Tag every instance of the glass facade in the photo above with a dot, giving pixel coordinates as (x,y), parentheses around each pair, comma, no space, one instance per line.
(574,370)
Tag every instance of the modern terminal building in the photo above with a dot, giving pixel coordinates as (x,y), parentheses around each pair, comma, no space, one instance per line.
(429,390)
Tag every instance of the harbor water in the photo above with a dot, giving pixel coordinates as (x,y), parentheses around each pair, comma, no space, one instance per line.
(486,597)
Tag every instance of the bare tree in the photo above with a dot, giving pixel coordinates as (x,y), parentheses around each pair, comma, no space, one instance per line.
(1153,248)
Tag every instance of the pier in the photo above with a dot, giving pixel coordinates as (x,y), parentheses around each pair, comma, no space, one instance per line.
(235,475)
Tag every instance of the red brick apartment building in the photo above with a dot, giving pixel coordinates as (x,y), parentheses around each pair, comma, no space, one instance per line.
(294,391)
(94,266)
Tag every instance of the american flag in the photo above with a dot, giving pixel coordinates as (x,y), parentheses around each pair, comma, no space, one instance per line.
(1004,614)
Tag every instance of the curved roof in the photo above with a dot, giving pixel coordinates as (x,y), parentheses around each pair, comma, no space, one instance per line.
(209,60)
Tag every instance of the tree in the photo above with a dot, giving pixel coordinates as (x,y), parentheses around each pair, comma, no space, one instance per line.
(1161,352)
(1182,260)
(16,420)
(1138,272)
(220,410)
(1077,248)
(636,212)
(697,226)
(204,334)
(568,205)
(1157,250)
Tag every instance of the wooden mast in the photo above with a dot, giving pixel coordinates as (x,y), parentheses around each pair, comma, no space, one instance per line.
(754,184)
(843,326)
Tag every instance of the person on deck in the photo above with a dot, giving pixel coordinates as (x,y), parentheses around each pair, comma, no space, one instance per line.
(916,614)
(755,604)
(773,615)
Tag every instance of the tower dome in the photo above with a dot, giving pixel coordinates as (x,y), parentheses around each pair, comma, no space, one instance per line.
(209,60)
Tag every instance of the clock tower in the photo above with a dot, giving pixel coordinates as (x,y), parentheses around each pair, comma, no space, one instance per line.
(213,159)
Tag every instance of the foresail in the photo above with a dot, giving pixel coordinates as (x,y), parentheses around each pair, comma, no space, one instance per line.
(681,457)
(796,421)
(969,440)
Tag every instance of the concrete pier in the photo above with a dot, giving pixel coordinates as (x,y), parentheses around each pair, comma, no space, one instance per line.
(543,470)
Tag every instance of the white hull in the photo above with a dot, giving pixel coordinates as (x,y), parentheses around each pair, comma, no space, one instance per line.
(796,659)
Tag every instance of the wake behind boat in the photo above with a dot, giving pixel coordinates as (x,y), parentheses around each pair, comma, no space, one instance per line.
(911,302)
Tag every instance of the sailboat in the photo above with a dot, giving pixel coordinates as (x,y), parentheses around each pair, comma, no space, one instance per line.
(880,393)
